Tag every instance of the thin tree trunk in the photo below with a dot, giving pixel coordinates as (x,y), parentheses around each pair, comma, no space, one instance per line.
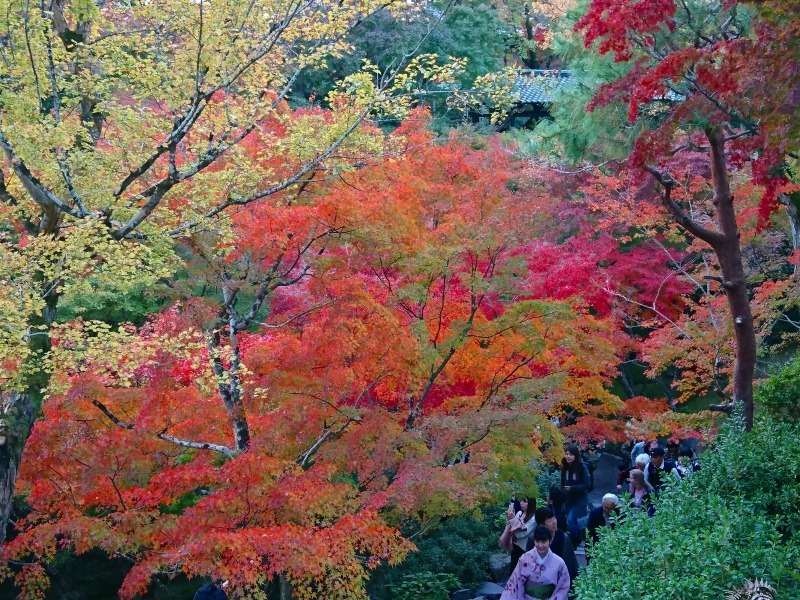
(530,60)
(626,382)
(668,394)
(729,255)
(794,219)
(285,587)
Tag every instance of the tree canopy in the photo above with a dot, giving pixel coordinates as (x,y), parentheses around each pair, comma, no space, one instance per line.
(262,323)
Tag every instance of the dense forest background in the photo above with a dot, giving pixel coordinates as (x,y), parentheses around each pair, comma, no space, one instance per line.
(296,295)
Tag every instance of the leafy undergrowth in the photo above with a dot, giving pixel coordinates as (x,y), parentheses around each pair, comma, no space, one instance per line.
(735,520)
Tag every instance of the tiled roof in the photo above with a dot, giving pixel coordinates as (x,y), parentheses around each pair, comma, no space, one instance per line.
(535,86)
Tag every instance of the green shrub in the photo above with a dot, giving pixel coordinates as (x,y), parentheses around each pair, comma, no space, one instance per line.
(460,547)
(733,521)
(546,478)
(424,586)
(763,467)
(780,394)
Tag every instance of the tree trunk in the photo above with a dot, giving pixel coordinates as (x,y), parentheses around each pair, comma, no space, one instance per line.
(229,387)
(729,255)
(794,219)
(285,587)
(21,408)
(626,382)
(18,414)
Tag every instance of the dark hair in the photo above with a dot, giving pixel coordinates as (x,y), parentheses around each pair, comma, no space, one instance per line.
(577,464)
(557,496)
(688,452)
(657,451)
(529,512)
(673,444)
(531,509)
(542,514)
(542,533)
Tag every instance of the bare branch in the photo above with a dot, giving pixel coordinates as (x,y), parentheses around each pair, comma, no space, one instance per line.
(112,417)
(297,316)
(167,438)
(723,282)
(608,289)
(332,433)
(198,445)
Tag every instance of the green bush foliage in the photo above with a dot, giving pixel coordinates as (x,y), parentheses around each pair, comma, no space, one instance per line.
(780,394)
(455,555)
(424,586)
(735,520)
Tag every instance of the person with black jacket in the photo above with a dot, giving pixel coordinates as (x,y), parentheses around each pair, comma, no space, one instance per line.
(555,502)
(601,516)
(575,482)
(658,470)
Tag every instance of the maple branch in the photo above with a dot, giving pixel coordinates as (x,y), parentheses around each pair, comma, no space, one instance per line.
(321,399)
(152,203)
(179,129)
(425,527)
(60,158)
(585,169)
(116,489)
(303,459)
(298,176)
(162,436)
(197,445)
(440,319)
(415,406)
(681,268)
(26,29)
(156,191)
(494,385)
(683,218)
(787,319)
(314,164)
(39,193)
(298,316)
(652,307)
(111,416)
(464,445)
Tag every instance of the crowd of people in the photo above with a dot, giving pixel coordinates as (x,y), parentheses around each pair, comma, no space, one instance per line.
(542,541)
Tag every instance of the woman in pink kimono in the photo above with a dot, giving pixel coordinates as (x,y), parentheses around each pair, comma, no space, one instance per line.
(540,574)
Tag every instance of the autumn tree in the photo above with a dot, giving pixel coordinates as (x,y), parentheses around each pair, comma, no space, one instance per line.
(533,25)
(714,79)
(374,350)
(109,114)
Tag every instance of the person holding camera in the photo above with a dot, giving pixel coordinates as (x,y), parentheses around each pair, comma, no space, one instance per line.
(519,525)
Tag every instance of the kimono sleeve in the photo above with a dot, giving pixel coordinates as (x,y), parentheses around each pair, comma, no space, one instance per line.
(515,587)
(562,585)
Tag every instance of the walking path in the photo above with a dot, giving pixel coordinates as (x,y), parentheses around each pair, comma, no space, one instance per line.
(605,477)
